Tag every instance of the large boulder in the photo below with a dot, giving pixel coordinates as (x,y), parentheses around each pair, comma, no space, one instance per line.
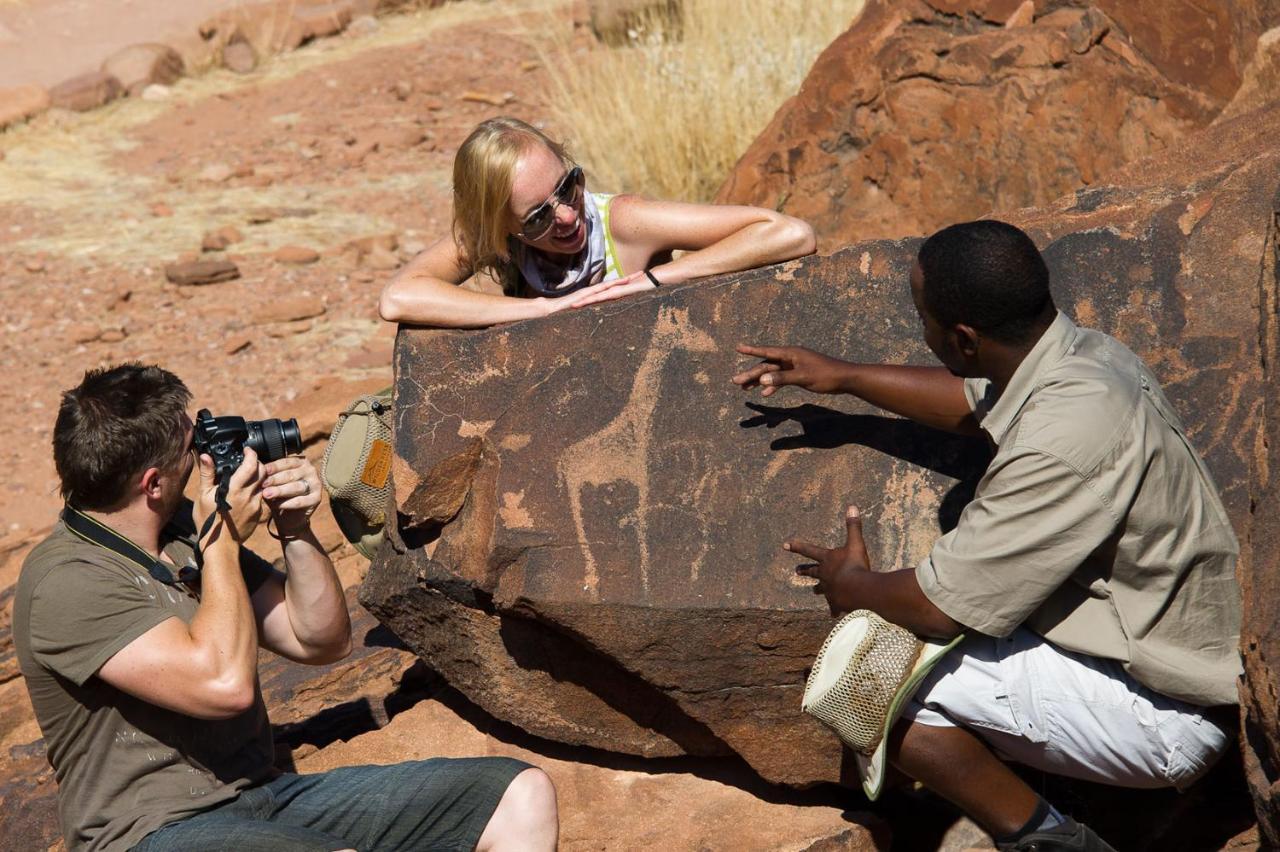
(925,113)
(591,513)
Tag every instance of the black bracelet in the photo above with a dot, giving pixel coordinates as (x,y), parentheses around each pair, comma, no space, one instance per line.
(649,275)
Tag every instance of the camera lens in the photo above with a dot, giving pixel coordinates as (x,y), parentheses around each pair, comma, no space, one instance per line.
(274,439)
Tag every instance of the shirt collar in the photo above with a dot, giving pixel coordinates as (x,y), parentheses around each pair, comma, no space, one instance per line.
(1047,352)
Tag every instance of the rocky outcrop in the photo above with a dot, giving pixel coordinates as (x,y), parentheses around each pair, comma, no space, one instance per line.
(924,113)
(620,804)
(592,513)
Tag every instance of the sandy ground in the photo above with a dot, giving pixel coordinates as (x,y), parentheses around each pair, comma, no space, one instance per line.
(347,138)
(48,41)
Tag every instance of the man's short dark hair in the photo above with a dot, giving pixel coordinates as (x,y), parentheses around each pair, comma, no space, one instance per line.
(115,424)
(987,275)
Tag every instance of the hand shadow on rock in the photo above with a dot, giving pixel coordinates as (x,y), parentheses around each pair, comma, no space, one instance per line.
(957,457)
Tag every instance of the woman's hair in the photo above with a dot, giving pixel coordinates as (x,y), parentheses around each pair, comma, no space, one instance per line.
(483,173)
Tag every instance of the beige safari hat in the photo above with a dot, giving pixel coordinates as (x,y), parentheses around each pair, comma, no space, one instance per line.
(864,674)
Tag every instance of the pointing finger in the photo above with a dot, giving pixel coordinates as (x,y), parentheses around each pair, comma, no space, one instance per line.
(805,548)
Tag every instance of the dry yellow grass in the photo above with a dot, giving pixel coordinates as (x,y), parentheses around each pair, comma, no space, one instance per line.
(669,115)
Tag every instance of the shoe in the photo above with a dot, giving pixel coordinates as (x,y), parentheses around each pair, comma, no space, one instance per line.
(1070,836)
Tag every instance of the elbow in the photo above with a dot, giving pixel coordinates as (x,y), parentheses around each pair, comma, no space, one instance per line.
(332,652)
(228,697)
(389,307)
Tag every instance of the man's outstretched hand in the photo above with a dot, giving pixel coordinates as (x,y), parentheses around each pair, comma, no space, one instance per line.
(791,365)
(836,569)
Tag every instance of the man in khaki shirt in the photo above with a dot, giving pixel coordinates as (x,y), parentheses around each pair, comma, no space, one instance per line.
(1093,573)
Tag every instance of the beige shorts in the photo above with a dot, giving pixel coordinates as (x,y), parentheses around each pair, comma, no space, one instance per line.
(1066,713)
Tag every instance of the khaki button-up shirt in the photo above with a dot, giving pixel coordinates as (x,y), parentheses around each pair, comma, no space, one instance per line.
(1096,524)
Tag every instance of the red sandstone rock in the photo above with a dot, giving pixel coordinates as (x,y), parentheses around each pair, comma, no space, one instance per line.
(86,92)
(238,56)
(197,272)
(291,309)
(296,255)
(624,807)
(311,22)
(221,238)
(140,65)
(914,118)
(21,103)
(1261,84)
(604,509)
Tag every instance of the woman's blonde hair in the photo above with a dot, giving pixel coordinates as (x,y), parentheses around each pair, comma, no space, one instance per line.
(483,173)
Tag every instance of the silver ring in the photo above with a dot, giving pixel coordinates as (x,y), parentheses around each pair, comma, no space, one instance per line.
(306,487)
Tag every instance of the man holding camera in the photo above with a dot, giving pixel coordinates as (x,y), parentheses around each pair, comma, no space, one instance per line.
(138,637)
(1093,573)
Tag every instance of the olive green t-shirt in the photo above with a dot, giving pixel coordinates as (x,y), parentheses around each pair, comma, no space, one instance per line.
(124,767)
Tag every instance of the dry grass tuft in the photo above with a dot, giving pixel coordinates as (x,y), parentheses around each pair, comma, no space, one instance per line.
(670,114)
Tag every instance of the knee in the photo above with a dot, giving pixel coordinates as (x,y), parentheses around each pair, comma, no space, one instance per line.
(534,793)
(528,816)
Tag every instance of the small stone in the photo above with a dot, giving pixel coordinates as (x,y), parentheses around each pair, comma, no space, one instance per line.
(140,65)
(363,276)
(34,264)
(86,91)
(363,25)
(296,254)
(530,65)
(215,172)
(238,57)
(483,98)
(21,103)
(196,273)
(243,170)
(219,240)
(309,153)
(289,329)
(261,216)
(382,260)
(290,310)
(113,335)
(433,104)
(402,89)
(412,248)
(237,343)
(83,332)
(161,209)
(156,92)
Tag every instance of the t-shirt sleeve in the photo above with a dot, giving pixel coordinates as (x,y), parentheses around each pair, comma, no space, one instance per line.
(1032,523)
(83,614)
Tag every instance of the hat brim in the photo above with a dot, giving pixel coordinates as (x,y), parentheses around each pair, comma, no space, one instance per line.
(871,769)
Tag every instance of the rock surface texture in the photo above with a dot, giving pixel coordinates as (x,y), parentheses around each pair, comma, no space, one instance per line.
(925,113)
(592,512)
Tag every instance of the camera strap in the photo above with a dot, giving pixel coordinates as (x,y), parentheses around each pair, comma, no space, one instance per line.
(95,532)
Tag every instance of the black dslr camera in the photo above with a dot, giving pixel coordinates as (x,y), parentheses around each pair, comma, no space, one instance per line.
(224,438)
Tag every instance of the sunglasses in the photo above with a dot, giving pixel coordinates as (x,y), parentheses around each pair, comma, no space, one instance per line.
(541,218)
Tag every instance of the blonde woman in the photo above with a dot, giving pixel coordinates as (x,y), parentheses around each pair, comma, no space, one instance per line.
(522,217)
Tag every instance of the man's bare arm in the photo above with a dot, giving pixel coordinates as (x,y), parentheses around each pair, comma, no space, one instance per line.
(928,395)
(208,668)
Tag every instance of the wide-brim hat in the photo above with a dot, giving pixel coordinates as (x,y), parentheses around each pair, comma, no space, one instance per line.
(864,675)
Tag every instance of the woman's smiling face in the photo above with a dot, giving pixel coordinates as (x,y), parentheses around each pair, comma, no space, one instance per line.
(538,174)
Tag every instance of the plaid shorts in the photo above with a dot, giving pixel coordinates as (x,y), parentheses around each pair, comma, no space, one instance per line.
(439,804)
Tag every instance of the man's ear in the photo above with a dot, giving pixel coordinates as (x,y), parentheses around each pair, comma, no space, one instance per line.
(967,339)
(149,482)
